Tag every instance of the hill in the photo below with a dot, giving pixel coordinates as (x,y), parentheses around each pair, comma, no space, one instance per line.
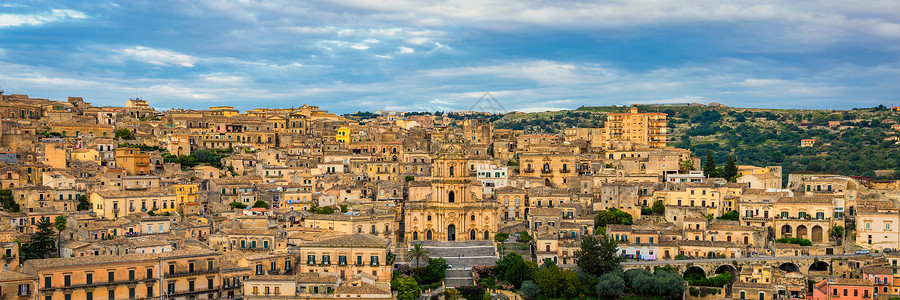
(848,142)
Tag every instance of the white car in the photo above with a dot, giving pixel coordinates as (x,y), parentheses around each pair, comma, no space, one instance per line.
(863,251)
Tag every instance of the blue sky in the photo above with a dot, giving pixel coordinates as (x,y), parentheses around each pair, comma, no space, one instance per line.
(418,55)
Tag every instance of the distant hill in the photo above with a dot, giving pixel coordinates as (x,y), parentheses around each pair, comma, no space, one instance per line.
(848,142)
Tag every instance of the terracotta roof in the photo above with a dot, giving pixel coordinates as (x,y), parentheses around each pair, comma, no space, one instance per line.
(850,282)
(351,240)
(362,289)
(316,278)
(545,211)
(271,278)
(6,275)
(109,259)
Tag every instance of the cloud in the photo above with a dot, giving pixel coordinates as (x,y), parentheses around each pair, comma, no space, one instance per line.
(159,57)
(406,50)
(541,71)
(53,16)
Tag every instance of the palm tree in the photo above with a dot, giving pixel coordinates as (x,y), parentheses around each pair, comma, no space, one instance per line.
(686,166)
(60,223)
(416,253)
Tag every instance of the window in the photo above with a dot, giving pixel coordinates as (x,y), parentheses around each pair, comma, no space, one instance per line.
(311,259)
(171,268)
(131,275)
(868,225)
(191,267)
(111,276)
(374,260)
(209,265)
(191,286)
(170,290)
(342,259)
(47,281)
(131,293)
(89,295)
(67,280)
(887,226)
(209,283)
(89,278)
(112,294)
(149,291)
(149,273)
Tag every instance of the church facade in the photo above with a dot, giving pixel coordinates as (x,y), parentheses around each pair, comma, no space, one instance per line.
(451,207)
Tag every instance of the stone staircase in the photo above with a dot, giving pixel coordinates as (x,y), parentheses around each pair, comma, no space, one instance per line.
(463,255)
(459,277)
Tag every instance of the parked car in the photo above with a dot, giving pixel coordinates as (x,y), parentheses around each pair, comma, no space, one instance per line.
(863,251)
(886,250)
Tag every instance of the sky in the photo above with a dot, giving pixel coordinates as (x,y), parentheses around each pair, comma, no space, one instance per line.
(425,55)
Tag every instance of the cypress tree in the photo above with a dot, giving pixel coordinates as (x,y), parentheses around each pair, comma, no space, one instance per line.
(709,167)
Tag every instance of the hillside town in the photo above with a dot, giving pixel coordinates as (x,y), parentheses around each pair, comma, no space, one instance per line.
(132,202)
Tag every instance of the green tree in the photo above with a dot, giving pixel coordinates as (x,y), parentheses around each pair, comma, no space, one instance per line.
(597,256)
(60,223)
(435,272)
(658,207)
(260,204)
(732,215)
(612,216)
(730,170)
(610,286)
(709,166)
(670,284)
(205,156)
(686,166)
(408,289)
(83,203)
(554,282)
(344,208)
(514,269)
(524,237)
(124,133)
(42,243)
(416,253)
(837,232)
(530,289)
(409,178)
(9,204)
(501,237)
(237,205)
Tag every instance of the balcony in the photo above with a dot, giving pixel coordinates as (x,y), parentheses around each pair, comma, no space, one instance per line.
(115,209)
(546,171)
(192,273)
(565,170)
(96,284)
(528,171)
(273,272)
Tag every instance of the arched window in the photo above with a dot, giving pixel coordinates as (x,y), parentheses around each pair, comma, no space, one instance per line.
(451,171)
(487,235)
(429,217)
(473,217)
(428,235)
(415,235)
(451,197)
(472,234)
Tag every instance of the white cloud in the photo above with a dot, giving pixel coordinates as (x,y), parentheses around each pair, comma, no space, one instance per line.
(55,15)
(541,71)
(159,57)
(407,50)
